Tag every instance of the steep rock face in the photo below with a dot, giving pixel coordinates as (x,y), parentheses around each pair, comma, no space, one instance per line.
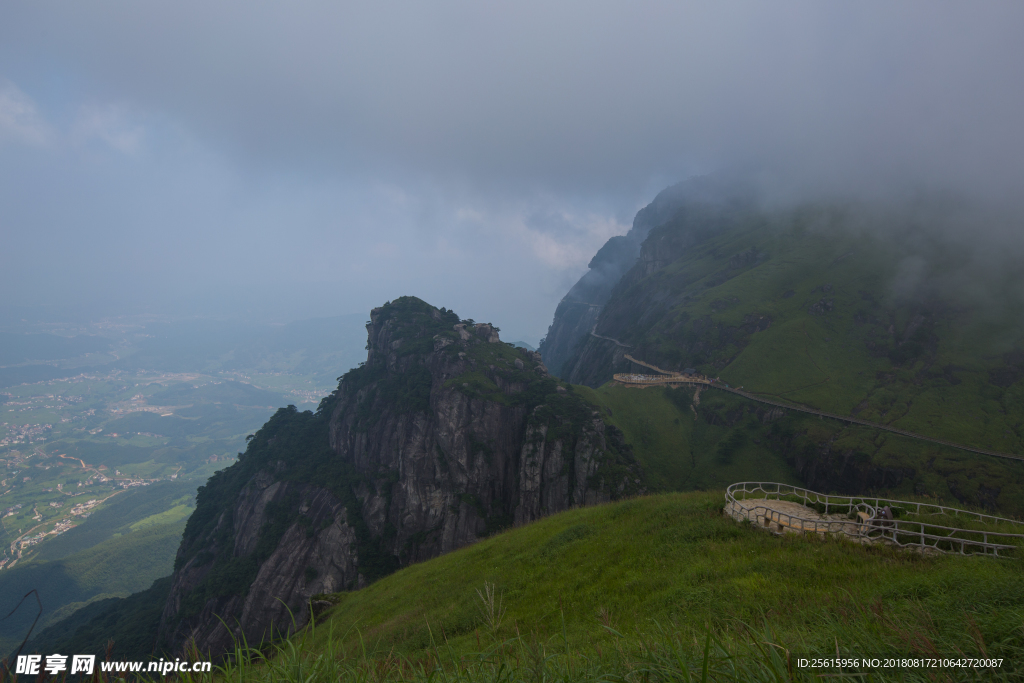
(572,324)
(640,300)
(578,312)
(443,436)
(301,565)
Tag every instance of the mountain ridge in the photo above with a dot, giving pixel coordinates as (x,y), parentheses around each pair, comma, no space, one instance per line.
(886,320)
(578,311)
(443,436)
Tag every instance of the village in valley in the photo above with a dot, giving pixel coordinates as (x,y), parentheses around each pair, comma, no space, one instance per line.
(91,410)
(60,460)
(55,493)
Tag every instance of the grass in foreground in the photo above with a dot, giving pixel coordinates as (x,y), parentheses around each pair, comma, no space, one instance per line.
(658,588)
(662,588)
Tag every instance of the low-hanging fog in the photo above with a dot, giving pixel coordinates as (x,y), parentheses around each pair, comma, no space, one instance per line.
(288,160)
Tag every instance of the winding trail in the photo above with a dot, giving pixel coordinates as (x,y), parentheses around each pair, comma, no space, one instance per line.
(593,333)
(66,457)
(670,376)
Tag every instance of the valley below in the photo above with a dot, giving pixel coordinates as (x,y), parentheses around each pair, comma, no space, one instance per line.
(452,487)
(99,466)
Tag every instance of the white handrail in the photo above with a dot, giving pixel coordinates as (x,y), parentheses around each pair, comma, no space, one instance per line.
(897,532)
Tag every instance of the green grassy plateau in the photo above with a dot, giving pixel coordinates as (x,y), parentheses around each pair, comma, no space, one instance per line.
(906,330)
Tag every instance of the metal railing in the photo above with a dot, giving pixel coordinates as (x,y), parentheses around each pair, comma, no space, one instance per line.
(866,522)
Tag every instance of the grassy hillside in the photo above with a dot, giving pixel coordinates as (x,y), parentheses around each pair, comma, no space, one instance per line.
(843,340)
(683,447)
(650,583)
(911,330)
(164,502)
(727,438)
(117,567)
(842,321)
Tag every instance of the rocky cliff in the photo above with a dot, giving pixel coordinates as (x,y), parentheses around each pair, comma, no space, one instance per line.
(580,308)
(645,295)
(444,435)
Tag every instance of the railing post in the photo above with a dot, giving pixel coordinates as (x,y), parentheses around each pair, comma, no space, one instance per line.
(877,528)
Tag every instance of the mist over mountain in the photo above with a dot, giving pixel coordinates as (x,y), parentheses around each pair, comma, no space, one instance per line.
(901,314)
(314,161)
(203,207)
(577,313)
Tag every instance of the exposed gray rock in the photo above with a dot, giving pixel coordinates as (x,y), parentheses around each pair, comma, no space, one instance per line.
(428,475)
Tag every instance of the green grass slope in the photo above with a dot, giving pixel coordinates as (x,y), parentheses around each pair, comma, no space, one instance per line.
(682,448)
(824,317)
(727,438)
(609,587)
(913,331)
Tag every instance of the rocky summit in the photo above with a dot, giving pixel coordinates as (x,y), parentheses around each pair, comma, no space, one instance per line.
(444,435)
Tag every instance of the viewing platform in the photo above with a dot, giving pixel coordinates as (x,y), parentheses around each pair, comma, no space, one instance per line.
(924,527)
(641,381)
(664,378)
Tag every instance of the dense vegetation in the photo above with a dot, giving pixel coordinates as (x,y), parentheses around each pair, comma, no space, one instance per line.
(128,510)
(130,623)
(114,568)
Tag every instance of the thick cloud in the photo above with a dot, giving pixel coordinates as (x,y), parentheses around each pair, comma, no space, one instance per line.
(472,133)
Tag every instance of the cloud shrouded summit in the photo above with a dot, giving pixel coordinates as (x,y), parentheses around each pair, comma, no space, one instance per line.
(331,146)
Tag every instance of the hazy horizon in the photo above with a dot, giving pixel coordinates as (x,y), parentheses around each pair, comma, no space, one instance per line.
(278,163)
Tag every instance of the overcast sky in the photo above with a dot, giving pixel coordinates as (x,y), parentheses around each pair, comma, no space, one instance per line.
(314,158)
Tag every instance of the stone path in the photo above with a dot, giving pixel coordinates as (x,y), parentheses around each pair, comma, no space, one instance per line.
(786,516)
